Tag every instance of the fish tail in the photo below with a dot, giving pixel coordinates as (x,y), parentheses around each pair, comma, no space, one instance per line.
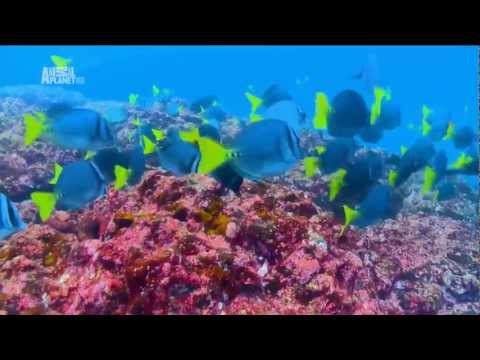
(121,176)
(255,101)
(45,202)
(311,164)
(34,127)
(322,109)
(350,216)
(212,154)
(57,172)
(429,178)
(148,146)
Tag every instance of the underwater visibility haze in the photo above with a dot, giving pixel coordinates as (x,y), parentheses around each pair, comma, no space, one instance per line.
(239,180)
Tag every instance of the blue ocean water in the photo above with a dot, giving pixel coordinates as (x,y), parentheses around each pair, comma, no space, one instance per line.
(443,77)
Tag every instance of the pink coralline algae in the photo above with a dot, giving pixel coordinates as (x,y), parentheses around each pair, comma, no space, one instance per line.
(173,246)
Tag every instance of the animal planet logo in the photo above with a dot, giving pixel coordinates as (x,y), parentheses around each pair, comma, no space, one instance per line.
(60,74)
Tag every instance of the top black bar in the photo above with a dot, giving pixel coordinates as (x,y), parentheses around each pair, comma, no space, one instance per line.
(238,38)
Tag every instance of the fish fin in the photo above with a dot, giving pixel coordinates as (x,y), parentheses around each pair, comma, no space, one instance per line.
(190,136)
(90,154)
(34,127)
(212,155)
(255,101)
(59,61)
(255,117)
(311,164)
(121,176)
(376,110)
(350,216)
(426,112)
(132,99)
(428,180)
(392,177)
(155,90)
(450,131)
(57,171)
(462,161)
(336,184)
(136,122)
(159,134)
(320,150)
(426,127)
(322,110)
(148,146)
(45,202)
(403,150)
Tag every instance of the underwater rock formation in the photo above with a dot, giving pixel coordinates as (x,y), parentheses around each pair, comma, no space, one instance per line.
(174,246)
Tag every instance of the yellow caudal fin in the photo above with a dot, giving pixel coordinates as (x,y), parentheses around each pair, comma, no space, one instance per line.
(392,177)
(403,150)
(212,155)
(255,101)
(121,176)
(450,131)
(462,162)
(255,117)
(350,216)
(336,184)
(34,127)
(90,154)
(59,61)
(376,110)
(136,122)
(428,180)
(320,150)
(132,99)
(322,110)
(159,134)
(155,90)
(148,146)
(311,165)
(190,136)
(57,171)
(426,127)
(45,202)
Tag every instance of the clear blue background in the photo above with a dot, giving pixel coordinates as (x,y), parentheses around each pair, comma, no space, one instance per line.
(443,77)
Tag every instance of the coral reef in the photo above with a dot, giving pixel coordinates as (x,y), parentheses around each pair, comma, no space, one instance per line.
(180,245)
(173,246)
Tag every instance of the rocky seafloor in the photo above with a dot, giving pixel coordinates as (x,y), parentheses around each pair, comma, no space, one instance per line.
(178,245)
